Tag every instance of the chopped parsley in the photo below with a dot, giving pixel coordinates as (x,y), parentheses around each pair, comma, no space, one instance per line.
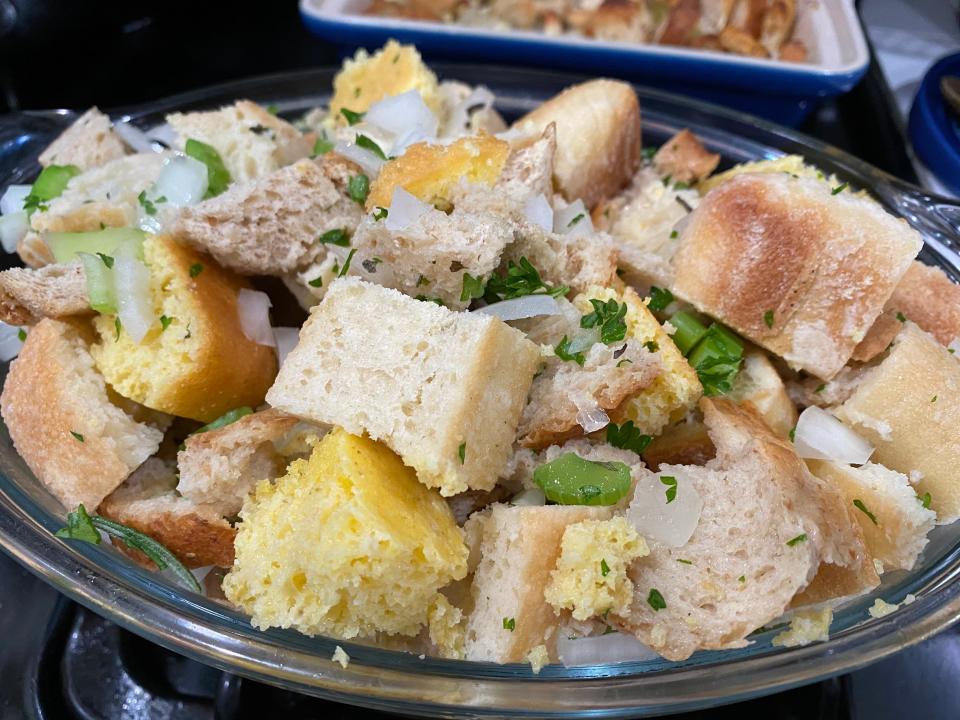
(462,452)
(625,361)
(797,540)
(427,298)
(604,568)
(335,237)
(628,437)
(925,499)
(352,117)
(648,152)
(792,434)
(933,399)
(117,326)
(22,335)
(820,388)
(674,234)
(510,624)
(685,562)
(717,358)
(610,317)
(768,318)
(346,263)
(149,206)
(368,144)
(575,220)
(839,188)
(321,147)
(472,288)
(358,188)
(228,418)
(901,317)
(79,527)
(651,345)
(218,177)
(742,578)
(859,505)
(380,213)
(521,279)
(196,269)
(77,436)
(107,260)
(660,298)
(655,600)
(671,482)
(422,281)
(562,351)
(680,185)
(316,282)
(165,322)
(50,184)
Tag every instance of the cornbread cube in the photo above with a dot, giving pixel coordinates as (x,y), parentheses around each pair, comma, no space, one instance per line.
(442,389)
(897,531)
(347,543)
(202,364)
(591,574)
(519,547)
(432,171)
(393,70)
(790,164)
(89,142)
(908,408)
(806,627)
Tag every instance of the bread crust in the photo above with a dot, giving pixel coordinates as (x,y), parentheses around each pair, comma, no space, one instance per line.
(55,291)
(929,298)
(89,142)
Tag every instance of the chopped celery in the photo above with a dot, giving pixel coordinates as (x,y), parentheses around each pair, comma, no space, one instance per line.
(50,183)
(571,480)
(689,331)
(111,241)
(717,360)
(218,177)
(100,286)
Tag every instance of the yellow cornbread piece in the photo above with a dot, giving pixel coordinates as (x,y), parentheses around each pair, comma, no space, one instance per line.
(432,171)
(202,364)
(591,574)
(446,628)
(347,543)
(394,69)
(676,390)
(792,164)
(806,627)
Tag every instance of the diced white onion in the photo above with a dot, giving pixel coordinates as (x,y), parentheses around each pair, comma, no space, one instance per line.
(134,306)
(563,220)
(602,649)
(286,339)
(589,415)
(370,163)
(531,496)
(182,181)
(134,137)
(13,198)
(519,308)
(12,229)
(668,523)
(459,120)
(406,117)
(164,134)
(10,342)
(254,309)
(405,209)
(539,212)
(820,436)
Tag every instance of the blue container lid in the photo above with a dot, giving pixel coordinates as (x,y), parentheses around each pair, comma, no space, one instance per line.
(934,128)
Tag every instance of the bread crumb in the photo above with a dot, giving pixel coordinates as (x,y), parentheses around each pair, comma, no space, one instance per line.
(915,477)
(878,566)
(881,608)
(805,628)
(909,599)
(340,656)
(538,658)
(447,633)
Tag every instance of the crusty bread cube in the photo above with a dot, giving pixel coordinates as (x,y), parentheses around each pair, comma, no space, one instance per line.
(250,140)
(529,168)
(88,143)
(683,158)
(759,384)
(598,138)
(908,408)
(202,364)
(684,443)
(896,529)
(347,543)
(518,550)
(442,389)
(929,298)
(55,291)
(148,501)
(273,225)
(794,266)
(55,404)
(880,334)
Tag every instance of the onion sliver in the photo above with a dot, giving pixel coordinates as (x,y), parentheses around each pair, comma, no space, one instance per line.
(10,342)
(532,496)
(12,229)
(820,436)
(405,209)
(370,163)
(253,307)
(182,181)
(134,306)
(459,121)
(134,137)
(539,212)
(661,519)
(286,340)
(13,199)
(602,649)
(519,308)
(407,117)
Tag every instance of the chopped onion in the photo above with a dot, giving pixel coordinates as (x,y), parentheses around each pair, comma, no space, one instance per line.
(519,308)
(370,163)
(134,306)
(539,212)
(254,309)
(405,209)
(164,134)
(134,137)
(10,342)
(602,649)
(459,121)
(12,229)
(668,523)
(820,436)
(531,496)
(573,220)
(13,199)
(286,340)
(590,416)
(407,117)
(182,181)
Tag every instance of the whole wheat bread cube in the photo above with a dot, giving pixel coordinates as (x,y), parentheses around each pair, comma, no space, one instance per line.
(55,291)
(55,404)
(444,390)
(88,143)
(908,408)
(518,549)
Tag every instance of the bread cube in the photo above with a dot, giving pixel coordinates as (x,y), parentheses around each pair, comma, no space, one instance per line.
(908,408)
(683,158)
(202,364)
(347,543)
(759,384)
(88,143)
(796,267)
(926,296)
(442,389)
(519,547)
(57,291)
(61,420)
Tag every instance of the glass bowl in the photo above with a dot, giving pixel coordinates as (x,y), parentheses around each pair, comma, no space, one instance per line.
(150,605)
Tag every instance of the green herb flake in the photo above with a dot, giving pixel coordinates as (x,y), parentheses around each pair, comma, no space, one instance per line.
(22,335)
(820,388)
(577,218)
(338,237)
(651,345)
(793,434)
(462,452)
(717,358)
(427,298)
(321,147)
(50,184)
(77,436)
(510,624)
(272,109)
(656,601)
(604,568)
(660,298)
(165,322)
(352,117)
(625,361)
(839,188)
(797,540)
(648,152)
(358,188)
(685,562)
(671,482)
(925,499)
(933,399)
(79,527)
(117,325)
(859,505)
(346,263)
(196,269)
(628,437)
(316,282)
(472,288)
(610,317)
(901,317)
(681,185)
(380,213)
(107,260)
(674,234)
(562,351)
(218,177)
(521,279)
(572,480)
(768,318)
(149,206)
(228,418)
(742,579)
(368,144)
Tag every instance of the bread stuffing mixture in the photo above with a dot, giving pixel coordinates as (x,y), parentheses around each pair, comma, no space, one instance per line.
(401,372)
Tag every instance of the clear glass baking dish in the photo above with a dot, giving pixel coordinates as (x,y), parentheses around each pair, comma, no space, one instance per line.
(152,606)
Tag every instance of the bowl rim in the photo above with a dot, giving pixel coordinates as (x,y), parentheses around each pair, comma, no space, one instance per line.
(152,606)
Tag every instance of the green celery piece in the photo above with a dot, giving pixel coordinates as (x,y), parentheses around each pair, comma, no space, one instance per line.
(571,480)
(229,417)
(67,246)
(100,286)
(50,184)
(717,360)
(218,177)
(689,331)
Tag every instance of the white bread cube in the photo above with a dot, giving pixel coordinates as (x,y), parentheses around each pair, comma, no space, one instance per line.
(88,143)
(27,295)
(908,408)
(926,296)
(432,384)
